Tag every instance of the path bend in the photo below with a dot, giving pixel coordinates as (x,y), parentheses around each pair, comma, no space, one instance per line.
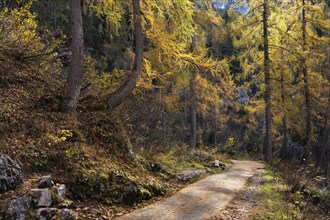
(202,199)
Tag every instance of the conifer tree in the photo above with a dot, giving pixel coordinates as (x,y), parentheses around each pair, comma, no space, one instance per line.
(268,113)
(306,83)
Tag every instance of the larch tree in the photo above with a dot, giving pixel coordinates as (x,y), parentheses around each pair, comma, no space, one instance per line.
(252,40)
(210,80)
(75,75)
(306,83)
(268,112)
(308,41)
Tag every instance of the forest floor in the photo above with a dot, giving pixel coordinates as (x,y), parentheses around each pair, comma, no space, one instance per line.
(209,198)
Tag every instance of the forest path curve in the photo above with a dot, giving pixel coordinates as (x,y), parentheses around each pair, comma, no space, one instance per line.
(202,199)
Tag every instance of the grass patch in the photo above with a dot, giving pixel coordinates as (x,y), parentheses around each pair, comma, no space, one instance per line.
(181,158)
(275,202)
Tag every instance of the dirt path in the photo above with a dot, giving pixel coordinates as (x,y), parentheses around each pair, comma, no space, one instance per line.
(245,203)
(203,199)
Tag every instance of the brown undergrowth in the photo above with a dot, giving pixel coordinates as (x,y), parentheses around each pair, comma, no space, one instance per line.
(89,151)
(307,189)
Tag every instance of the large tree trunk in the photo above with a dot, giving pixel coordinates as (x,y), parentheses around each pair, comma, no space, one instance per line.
(193,106)
(125,90)
(75,75)
(306,87)
(268,113)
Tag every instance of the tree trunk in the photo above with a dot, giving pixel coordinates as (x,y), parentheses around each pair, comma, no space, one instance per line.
(193,106)
(325,143)
(215,125)
(268,114)
(284,150)
(126,89)
(162,114)
(306,87)
(74,79)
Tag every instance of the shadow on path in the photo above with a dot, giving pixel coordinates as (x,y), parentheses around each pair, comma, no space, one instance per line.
(200,200)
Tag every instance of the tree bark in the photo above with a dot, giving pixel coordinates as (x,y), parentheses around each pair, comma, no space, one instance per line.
(162,114)
(215,125)
(325,144)
(126,89)
(193,106)
(75,75)
(268,113)
(284,150)
(306,86)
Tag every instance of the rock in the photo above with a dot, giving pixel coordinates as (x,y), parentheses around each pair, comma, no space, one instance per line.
(42,197)
(202,156)
(189,174)
(10,174)
(46,213)
(19,208)
(66,214)
(219,164)
(45,182)
(60,191)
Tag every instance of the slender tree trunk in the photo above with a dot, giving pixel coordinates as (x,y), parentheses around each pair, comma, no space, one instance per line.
(162,114)
(126,89)
(215,125)
(268,113)
(75,75)
(193,106)
(325,143)
(306,86)
(284,150)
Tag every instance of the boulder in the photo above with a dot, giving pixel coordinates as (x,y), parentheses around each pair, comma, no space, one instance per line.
(18,209)
(10,174)
(41,197)
(46,213)
(45,182)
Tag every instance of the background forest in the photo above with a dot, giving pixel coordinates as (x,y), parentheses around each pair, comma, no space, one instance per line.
(90,83)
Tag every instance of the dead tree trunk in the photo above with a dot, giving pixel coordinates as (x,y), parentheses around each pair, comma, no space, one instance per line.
(126,89)
(75,75)
(268,113)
